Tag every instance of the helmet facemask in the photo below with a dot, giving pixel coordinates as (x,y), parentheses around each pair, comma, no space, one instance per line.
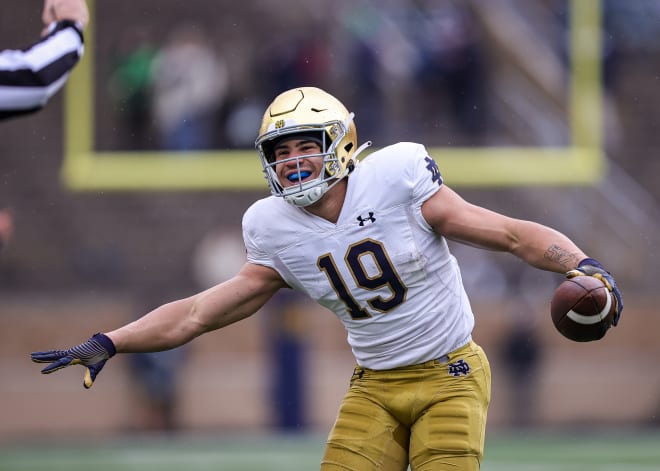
(328,135)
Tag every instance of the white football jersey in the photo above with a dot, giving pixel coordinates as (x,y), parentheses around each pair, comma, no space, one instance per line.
(381,269)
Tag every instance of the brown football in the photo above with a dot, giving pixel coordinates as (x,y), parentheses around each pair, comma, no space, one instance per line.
(582,309)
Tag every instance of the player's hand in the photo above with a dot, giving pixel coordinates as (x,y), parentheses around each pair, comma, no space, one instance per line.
(591,267)
(92,354)
(58,10)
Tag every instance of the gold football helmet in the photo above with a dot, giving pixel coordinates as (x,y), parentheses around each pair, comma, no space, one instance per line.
(317,115)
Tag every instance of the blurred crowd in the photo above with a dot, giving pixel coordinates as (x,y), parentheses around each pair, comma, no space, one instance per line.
(187,91)
(423,69)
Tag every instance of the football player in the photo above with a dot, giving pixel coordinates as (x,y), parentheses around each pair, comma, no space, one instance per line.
(368,240)
(29,78)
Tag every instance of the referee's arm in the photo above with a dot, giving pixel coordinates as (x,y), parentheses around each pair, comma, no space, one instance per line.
(30,77)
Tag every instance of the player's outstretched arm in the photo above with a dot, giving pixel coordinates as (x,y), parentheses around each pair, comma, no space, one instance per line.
(172,324)
(538,245)
(178,322)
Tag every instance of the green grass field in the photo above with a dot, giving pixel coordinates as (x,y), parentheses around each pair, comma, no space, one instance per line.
(606,451)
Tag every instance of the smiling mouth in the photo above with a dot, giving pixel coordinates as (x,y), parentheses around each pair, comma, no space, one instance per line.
(298,176)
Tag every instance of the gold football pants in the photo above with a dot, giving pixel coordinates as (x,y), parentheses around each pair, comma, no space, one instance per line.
(431,416)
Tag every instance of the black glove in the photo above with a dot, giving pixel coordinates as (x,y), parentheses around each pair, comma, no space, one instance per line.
(591,267)
(92,354)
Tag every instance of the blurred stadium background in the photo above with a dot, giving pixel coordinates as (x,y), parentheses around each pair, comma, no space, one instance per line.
(473,75)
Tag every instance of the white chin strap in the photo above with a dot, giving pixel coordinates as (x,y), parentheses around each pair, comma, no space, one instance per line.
(308,196)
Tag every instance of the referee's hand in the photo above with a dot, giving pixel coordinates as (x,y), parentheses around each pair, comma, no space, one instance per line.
(58,10)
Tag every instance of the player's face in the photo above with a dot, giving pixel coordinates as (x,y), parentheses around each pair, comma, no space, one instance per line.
(299,160)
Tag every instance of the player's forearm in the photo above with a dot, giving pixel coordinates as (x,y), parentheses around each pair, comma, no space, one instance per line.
(166,327)
(546,248)
(178,322)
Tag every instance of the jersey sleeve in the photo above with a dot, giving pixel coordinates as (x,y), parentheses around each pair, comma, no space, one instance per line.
(423,173)
(255,248)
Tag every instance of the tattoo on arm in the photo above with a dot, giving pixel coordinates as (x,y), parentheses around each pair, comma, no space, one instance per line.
(564,258)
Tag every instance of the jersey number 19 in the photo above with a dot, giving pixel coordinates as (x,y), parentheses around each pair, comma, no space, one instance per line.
(386,276)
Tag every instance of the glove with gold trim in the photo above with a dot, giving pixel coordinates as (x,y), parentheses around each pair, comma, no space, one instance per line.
(92,354)
(591,267)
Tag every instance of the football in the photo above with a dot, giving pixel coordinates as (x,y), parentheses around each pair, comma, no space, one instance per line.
(582,308)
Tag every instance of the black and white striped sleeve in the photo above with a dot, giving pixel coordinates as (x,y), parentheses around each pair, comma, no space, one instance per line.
(28,78)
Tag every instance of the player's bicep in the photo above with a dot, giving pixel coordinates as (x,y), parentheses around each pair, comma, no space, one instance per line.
(238,297)
(454,218)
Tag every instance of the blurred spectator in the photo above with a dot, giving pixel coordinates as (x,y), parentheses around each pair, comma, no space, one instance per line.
(130,88)
(303,57)
(156,377)
(378,51)
(634,25)
(365,88)
(190,84)
(286,336)
(239,124)
(521,355)
(451,65)
(415,63)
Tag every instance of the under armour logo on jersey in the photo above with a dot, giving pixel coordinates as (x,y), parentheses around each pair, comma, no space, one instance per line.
(369,218)
(459,368)
(432,167)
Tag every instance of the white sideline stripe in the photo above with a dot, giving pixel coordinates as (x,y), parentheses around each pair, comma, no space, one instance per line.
(595,319)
